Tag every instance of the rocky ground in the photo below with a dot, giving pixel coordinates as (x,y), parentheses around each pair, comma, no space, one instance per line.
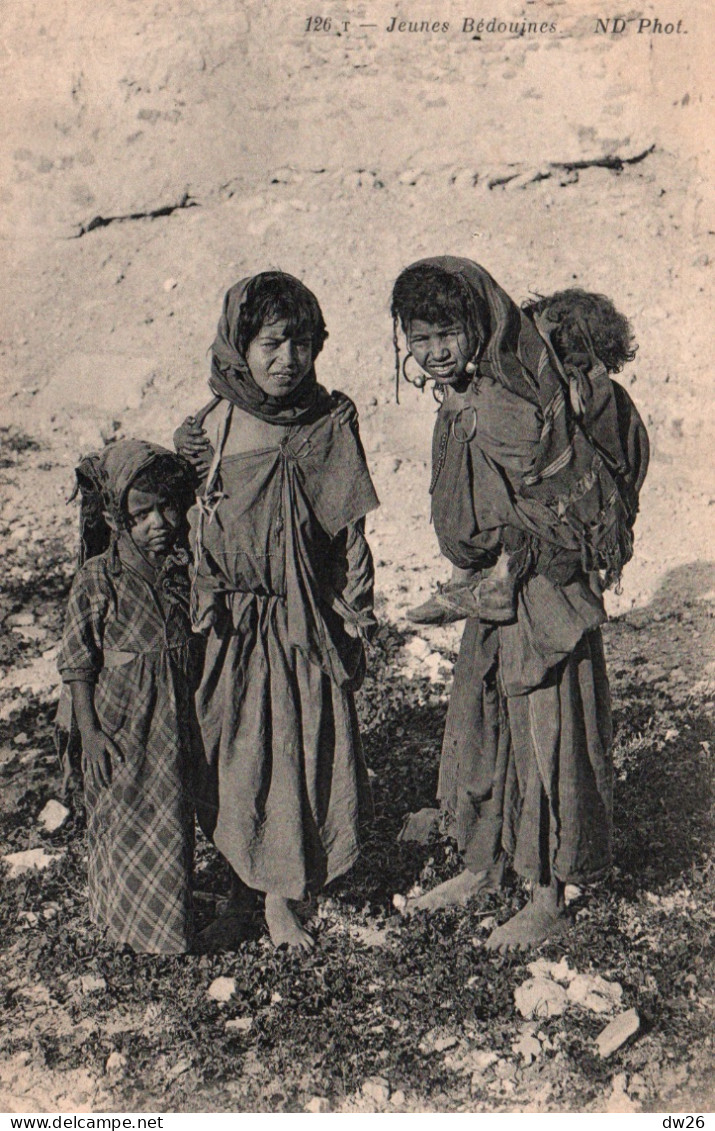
(153,158)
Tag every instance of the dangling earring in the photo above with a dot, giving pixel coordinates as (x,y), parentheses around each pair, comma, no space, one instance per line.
(473,364)
(419,380)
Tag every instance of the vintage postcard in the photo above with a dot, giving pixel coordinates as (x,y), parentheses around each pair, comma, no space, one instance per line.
(355,448)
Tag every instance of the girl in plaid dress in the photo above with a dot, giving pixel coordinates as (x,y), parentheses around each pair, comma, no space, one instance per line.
(131,663)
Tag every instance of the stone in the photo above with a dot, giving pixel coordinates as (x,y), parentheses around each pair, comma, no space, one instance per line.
(528,1048)
(436,667)
(7,755)
(53,816)
(617,1032)
(32,858)
(170,285)
(239,1024)
(540,997)
(595,993)
(20,620)
(376,1088)
(557,971)
(482,1059)
(93,984)
(444,1043)
(21,739)
(318,1104)
(398,1099)
(116,1064)
(619,1102)
(417,827)
(417,648)
(221,989)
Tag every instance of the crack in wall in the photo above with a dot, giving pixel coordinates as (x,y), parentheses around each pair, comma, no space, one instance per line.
(153,214)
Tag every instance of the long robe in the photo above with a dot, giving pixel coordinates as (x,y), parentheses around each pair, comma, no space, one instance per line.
(526,765)
(124,635)
(285,789)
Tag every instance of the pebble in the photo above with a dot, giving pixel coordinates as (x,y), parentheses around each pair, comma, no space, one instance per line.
(53,816)
(318,1104)
(21,739)
(558,971)
(619,1102)
(617,1032)
(418,648)
(529,1048)
(398,1098)
(221,989)
(7,755)
(376,1088)
(170,285)
(540,997)
(116,1064)
(20,620)
(239,1024)
(93,984)
(32,858)
(595,993)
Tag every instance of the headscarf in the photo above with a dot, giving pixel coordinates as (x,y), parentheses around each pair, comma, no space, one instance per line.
(231,378)
(103,482)
(580,479)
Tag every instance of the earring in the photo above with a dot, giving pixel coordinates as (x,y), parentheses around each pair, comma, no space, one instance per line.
(419,380)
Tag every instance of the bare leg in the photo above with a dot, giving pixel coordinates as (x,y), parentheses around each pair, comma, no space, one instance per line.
(543,917)
(284,926)
(457,891)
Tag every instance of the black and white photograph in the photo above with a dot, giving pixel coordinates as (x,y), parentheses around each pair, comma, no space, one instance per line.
(358,570)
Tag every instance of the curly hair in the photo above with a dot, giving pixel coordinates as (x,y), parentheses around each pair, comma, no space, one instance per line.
(273,296)
(434,295)
(584,321)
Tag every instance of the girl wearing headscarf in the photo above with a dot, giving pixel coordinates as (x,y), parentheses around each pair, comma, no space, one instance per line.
(131,662)
(535,479)
(283,588)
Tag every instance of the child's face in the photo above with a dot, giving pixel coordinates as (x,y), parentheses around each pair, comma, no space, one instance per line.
(441,349)
(154,520)
(279,361)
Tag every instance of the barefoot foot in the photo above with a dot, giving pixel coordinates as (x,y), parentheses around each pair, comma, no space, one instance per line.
(284,926)
(457,891)
(542,918)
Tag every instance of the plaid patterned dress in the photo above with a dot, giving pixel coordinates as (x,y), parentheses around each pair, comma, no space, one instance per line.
(126,634)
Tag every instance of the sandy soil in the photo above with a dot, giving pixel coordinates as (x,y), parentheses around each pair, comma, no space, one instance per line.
(339,158)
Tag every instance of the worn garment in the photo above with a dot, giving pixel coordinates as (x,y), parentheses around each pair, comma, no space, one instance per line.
(283,564)
(136,646)
(128,634)
(576,486)
(526,766)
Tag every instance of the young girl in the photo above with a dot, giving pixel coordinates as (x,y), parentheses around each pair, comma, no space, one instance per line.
(537,464)
(131,661)
(283,587)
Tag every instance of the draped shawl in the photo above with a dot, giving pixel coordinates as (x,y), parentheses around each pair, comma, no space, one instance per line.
(580,491)
(231,377)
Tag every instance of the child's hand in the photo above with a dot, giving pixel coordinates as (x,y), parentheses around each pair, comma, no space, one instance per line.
(191,442)
(98,751)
